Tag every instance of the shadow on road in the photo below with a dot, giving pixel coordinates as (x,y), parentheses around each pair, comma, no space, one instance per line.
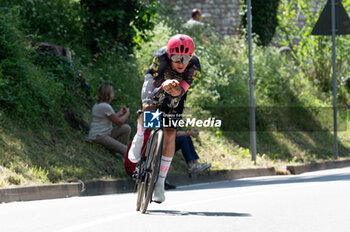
(269,181)
(205,214)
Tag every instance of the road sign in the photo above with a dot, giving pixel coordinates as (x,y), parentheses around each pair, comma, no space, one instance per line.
(324,23)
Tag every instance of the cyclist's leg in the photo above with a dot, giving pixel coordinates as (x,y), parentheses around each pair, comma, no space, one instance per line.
(168,153)
(168,150)
(146,95)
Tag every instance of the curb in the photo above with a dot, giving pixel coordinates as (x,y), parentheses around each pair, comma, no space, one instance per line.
(39,192)
(101,187)
(301,168)
(220,175)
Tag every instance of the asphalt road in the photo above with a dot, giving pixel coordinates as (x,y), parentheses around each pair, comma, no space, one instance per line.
(317,201)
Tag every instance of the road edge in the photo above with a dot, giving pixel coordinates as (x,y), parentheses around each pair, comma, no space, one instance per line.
(126,185)
(296,169)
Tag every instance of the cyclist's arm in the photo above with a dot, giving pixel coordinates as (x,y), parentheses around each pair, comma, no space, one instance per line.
(153,79)
(172,87)
(191,74)
(147,91)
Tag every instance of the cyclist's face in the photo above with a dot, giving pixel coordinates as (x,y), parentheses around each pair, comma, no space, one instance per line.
(178,66)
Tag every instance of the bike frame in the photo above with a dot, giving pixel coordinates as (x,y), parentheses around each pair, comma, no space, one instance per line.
(149,169)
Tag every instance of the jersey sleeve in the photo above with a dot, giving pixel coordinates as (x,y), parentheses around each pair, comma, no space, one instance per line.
(192,73)
(155,74)
(156,69)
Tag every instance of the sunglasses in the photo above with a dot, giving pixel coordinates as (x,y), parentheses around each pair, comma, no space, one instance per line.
(181,58)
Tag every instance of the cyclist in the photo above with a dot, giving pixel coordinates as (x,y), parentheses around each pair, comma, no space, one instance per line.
(173,69)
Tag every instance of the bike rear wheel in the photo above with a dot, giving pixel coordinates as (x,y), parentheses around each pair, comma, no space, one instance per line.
(151,167)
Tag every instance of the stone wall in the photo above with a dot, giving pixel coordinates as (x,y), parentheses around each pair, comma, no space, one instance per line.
(222,15)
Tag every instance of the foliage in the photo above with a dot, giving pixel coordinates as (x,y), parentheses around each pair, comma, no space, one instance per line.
(58,21)
(33,86)
(264,19)
(113,23)
(15,70)
(69,89)
(120,69)
(313,54)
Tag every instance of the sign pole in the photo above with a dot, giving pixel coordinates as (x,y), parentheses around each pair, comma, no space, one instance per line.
(334,81)
(333,21)
(251,88)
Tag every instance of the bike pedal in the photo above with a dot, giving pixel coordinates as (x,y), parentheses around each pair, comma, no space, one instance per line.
(134,176)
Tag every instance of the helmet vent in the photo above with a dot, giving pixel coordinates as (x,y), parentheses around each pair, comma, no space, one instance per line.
(177,49)
(182,49)
(186,50)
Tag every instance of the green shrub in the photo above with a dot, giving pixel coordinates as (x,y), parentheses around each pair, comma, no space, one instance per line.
(56,21)
(67,88)
(114,23)
(33,86)
(18,92)
(312,54)
(120,69)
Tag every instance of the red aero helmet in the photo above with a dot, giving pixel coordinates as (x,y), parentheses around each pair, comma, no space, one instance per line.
(180,44)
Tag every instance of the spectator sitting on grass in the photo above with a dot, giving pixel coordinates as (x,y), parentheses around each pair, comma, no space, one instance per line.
(103,116)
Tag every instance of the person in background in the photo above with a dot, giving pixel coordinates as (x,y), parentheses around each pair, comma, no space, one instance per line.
(196,28)
(103,117)
(184,142)
(196,20)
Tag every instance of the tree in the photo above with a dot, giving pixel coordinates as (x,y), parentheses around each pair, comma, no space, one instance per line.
(113,22)
(264,19)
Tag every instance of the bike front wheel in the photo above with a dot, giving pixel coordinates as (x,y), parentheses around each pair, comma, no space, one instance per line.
(153,155)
